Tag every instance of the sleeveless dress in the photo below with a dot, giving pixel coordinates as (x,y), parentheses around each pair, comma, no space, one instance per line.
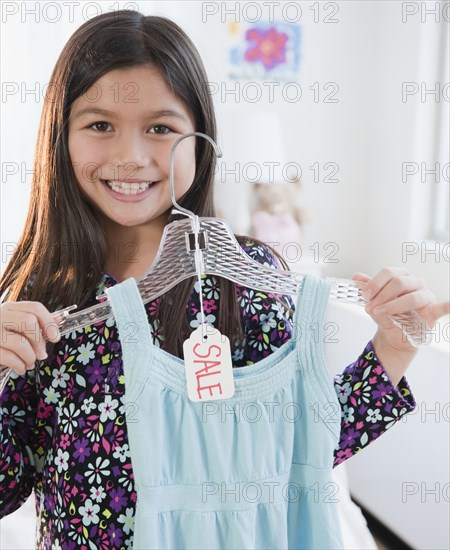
(249,472)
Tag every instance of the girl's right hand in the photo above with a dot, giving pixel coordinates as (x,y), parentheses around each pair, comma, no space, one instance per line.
(25,327)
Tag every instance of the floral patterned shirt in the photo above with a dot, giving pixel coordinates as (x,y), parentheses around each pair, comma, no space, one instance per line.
(63,432)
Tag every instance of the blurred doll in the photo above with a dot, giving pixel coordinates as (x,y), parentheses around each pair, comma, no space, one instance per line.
(276,218)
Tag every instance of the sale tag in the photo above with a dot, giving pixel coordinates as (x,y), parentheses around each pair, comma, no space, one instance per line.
(209,369)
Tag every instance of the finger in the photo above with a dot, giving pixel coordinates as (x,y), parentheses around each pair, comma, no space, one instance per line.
(45,319)
(413,300)
(361,279)
(27,326)
(374,286)
(358,276)
(11,360)
(17,352)
(398,286)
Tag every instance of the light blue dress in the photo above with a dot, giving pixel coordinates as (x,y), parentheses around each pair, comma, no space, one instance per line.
(250,472)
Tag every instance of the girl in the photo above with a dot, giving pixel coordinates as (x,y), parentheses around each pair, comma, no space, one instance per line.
(125,87)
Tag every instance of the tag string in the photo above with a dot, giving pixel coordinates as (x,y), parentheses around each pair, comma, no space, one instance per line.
(199,267)
(202,313)
(198,262)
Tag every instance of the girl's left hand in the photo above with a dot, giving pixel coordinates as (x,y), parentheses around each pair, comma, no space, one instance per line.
(395,290)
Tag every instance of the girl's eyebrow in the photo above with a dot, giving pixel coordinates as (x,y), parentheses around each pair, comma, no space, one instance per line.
(110,114)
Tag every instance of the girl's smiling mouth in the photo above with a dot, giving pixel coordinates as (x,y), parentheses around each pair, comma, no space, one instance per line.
(129,190)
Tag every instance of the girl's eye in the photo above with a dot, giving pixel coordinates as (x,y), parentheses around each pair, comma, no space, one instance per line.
(99,126)
(161,129)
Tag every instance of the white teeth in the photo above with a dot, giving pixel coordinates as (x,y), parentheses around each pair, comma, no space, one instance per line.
(126,188)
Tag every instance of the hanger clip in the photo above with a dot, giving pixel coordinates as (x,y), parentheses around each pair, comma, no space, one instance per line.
(202,241)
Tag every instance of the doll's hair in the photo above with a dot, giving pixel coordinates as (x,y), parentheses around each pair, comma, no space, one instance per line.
(62,248)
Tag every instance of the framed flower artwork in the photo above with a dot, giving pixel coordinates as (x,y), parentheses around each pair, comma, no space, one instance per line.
(264,51)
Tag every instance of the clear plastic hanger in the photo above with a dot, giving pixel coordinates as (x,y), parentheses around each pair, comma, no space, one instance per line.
(201,245)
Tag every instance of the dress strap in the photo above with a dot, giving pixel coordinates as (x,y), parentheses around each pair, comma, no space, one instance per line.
(134,334)
(309,336)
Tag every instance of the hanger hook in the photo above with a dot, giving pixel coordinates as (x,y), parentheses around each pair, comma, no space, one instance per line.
(172,154)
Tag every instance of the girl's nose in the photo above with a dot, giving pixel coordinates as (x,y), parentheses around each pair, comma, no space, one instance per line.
(132,151)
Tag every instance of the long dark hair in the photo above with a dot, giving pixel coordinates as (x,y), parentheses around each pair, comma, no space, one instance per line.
(63,246)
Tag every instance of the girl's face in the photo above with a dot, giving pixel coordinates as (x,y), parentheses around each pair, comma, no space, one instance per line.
(121,132)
